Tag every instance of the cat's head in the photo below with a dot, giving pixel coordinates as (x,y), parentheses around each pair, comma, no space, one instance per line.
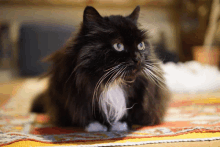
(112,47)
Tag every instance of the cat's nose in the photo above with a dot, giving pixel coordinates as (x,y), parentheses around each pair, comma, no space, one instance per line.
(137,58)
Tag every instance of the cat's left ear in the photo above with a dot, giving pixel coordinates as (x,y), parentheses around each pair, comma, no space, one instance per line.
(91,15)
(135,14)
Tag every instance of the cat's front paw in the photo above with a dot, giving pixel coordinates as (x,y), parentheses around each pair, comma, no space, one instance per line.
(96,127)
(119,126)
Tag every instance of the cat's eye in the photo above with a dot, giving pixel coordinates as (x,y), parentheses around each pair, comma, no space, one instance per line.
(141,46)
(118,46)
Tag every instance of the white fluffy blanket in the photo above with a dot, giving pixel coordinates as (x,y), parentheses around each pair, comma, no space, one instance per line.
(191,77)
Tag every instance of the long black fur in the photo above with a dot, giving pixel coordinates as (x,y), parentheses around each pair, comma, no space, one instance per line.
(77,68)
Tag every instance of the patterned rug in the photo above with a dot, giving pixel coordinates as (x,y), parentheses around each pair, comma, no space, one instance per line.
(186,120)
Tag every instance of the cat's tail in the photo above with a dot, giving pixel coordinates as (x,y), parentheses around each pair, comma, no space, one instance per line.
(39,105)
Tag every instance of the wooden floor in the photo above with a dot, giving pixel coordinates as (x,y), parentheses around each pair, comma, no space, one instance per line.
(8,89)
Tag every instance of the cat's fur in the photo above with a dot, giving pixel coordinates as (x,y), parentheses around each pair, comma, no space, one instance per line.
(93,83)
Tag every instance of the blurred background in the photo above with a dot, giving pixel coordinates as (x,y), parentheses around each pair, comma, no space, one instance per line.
(180,30)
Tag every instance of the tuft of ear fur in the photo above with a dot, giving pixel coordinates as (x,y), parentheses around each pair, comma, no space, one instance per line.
(135,14)
(91,15)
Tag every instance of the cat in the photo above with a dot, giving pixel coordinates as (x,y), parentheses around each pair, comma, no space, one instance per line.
(106,78)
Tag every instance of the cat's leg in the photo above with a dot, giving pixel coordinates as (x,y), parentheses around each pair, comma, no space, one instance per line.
(96,127)
(155,103)
(150,104)
(141,116)
(119,126)
(39,104)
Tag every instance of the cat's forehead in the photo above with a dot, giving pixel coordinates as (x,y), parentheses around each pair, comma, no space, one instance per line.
(125,28)
(120,21)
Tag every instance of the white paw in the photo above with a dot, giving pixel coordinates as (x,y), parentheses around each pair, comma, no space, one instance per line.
(119,126)
(95,127)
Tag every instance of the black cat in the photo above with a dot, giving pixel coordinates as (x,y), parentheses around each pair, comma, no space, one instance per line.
(106,78)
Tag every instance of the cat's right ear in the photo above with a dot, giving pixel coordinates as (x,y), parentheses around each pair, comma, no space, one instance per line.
(91,15)
(135,14)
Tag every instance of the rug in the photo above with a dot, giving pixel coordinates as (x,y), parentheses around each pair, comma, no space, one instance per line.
(186,120)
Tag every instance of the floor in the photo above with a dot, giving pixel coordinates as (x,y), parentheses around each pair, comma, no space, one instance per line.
(8,89)
(5,75)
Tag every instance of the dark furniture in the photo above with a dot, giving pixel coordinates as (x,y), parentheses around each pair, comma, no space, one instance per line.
(36,42)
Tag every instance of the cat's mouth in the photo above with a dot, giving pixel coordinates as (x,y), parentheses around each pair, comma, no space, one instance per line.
(126,73)
(131,75)
(129,79)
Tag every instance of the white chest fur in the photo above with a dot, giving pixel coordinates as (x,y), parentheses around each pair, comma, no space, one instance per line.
(113,103)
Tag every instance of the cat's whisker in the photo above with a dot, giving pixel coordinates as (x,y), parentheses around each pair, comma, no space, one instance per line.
(99,83)
(101,80)
(152,59)
(154,68)
(155,60)
(73,72)
(118,73)
(154,75)
(131,106)
(112,71)
(153,63)
(157,80)
(115,75)
(160,84)
(69,77)
(158,60)
(104,76)
(155,72)
(112,68)
(110,79)
(148,76)
(158,71)
(110,113)
(123,76)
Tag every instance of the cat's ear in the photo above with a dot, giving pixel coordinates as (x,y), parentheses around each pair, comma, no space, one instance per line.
(91,15)
(135,14)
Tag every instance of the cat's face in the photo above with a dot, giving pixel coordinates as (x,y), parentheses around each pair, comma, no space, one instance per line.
(112,46)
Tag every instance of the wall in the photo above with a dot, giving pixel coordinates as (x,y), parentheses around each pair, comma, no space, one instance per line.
(153,19)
